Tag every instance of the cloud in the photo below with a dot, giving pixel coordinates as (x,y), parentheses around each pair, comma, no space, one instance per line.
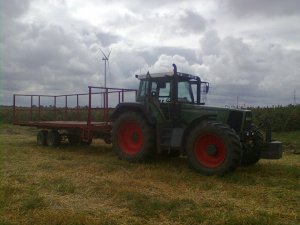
(184,23)
(265,8)
(47,58)
(191,21)
(257,73)
(13,8)
(210,43)
(53,47)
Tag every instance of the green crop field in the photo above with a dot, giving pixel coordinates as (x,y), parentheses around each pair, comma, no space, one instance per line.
(90,185)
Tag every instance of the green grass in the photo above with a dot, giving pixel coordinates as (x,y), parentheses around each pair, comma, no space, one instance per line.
(291,140)
(90,185)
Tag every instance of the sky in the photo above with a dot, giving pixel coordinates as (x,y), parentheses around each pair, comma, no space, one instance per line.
(248,50)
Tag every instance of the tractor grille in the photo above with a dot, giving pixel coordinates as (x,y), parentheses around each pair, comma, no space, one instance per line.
(248,121)
(235,120)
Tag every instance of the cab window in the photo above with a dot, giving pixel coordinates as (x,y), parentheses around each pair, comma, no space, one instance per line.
(142,88)
(164,92)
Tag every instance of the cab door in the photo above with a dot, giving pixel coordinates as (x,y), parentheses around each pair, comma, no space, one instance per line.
(164,98)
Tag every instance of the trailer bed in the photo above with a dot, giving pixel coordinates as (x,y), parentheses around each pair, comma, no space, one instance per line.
(65,124)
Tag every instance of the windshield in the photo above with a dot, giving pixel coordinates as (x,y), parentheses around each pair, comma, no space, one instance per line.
(184,92)
(162,91)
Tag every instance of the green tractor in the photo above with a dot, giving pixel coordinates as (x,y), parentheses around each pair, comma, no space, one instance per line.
(169,116)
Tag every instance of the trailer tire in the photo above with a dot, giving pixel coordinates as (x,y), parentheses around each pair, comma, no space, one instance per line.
(42,138)
(107,139)
(87,143)
(53,138)
(133,139)
(213,149)
(74,139)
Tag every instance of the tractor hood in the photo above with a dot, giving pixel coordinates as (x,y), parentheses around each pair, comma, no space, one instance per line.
(238,119)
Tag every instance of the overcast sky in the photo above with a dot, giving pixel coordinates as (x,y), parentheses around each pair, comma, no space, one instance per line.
(249,49)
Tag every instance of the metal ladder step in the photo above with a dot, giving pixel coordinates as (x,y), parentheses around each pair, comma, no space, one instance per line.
(165,134)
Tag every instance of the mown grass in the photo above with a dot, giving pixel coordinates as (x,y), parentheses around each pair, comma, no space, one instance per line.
(90,185)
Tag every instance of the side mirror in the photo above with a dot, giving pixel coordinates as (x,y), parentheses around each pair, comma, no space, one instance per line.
(206,88)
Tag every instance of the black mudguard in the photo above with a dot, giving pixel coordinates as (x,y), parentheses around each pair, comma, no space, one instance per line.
(133,106)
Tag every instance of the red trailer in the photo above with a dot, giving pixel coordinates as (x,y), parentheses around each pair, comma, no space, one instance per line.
(73,117)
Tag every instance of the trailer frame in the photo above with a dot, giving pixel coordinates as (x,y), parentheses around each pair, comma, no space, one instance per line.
(89,120)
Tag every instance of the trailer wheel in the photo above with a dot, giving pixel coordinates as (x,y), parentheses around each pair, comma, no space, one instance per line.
(251,151)
(107,139)
(133,138)
(42,138)
(73,139)
(53,138)
(213,148)
(89,142)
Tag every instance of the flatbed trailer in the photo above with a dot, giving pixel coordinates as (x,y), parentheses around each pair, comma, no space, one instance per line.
(72,117)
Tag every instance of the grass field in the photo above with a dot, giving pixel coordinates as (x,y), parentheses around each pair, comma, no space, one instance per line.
(90,185)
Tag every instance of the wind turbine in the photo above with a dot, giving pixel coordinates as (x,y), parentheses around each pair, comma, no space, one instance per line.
(105,59)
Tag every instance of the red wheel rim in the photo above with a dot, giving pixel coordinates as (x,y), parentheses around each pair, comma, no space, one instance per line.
(210,150)
(130,138)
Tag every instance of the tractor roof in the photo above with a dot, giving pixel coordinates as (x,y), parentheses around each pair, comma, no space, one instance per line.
(166,74)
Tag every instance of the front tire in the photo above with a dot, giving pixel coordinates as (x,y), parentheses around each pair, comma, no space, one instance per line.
(133,138)
(213,148)
(252,148)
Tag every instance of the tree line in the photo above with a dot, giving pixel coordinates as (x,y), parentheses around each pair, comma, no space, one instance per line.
(282,118)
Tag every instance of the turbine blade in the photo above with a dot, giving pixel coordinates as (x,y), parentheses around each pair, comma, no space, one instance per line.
(109,53)
(103,54)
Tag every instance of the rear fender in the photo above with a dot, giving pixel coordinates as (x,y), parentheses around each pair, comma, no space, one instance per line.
(135,107)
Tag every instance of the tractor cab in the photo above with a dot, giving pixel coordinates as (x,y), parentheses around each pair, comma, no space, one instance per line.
(166,94)
(172,88)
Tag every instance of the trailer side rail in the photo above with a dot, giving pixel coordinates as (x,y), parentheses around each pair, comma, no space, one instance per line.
(92,107)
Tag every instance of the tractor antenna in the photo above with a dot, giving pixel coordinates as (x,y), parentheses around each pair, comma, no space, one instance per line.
(105,59)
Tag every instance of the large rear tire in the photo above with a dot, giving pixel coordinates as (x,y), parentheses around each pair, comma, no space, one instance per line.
(213,148)
(133,139)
